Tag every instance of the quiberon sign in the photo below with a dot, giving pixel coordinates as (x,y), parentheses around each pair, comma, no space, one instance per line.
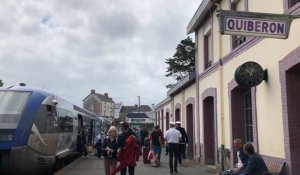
(254,24)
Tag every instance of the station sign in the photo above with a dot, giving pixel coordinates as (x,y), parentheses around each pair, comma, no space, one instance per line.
(254,24)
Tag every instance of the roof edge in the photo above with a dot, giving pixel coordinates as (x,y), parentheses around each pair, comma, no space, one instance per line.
(199,15)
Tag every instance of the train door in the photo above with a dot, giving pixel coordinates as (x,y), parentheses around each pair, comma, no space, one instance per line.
(65,132)
(80,122)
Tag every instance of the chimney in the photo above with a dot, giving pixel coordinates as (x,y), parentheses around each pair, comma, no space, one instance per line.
(152,107)
(106,95)
(93,91)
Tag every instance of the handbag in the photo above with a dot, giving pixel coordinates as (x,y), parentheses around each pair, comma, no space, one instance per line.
(89,148)
(150,155)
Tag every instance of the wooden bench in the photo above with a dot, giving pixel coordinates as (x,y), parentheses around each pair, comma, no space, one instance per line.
(275,167)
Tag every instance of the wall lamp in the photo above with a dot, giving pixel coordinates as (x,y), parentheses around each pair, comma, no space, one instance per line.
(189,48)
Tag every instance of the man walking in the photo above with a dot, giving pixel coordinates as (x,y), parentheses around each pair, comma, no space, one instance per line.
(182,144)
(172,137)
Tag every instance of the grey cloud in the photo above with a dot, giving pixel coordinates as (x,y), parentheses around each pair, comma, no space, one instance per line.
(72,46)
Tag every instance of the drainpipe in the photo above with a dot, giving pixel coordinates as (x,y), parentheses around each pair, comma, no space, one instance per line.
(221,76)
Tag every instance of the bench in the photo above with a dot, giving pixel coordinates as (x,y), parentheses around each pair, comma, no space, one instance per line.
(275,167)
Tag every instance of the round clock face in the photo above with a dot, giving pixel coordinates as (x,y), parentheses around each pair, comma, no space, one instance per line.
(249,74)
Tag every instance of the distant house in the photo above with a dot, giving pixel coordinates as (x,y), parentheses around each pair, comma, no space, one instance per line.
(99,104)
(139,120)
(118,107)
(125,110)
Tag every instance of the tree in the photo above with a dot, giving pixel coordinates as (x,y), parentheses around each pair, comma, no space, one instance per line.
(1,83)
(182,62)
(22,84)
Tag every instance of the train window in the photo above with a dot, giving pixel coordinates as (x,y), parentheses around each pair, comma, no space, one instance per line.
(12,102)
(7,134)
(65,120)
(46,120)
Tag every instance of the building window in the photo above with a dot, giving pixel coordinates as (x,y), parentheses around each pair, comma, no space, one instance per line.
(143,120)
(248,117)
(208,49)
(237,40)
(236,5)
(293,2)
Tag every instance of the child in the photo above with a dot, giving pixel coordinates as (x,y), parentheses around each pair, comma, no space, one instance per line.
(98,147)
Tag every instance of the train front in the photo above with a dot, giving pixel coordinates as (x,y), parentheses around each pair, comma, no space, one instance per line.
(18,109)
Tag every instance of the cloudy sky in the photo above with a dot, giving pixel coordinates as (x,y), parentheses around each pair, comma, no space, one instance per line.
(69,47)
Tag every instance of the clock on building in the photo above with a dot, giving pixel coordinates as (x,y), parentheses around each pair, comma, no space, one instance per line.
(250,74)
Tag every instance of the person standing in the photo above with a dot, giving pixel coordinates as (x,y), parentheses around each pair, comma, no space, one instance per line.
(109,149)
(172,137)
(182,144)
(144,133)
(81,141)
(128,151)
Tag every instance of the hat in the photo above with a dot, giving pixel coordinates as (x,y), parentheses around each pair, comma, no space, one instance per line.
(172,123)
(178,122)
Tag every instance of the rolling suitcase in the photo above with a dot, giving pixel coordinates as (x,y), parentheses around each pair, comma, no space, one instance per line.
(145,155)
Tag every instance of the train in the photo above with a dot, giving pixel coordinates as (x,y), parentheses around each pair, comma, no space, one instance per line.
(38,130)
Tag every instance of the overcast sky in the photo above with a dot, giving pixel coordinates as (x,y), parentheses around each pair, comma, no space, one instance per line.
(69,47)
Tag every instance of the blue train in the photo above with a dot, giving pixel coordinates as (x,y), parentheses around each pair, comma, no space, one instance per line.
(38,130)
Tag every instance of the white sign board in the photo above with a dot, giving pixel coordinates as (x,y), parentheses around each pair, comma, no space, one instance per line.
(254,24)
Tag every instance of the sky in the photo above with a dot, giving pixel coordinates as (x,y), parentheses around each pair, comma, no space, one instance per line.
(69,47)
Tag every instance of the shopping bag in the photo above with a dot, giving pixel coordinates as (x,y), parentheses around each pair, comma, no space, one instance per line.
(89,148)
(150,155)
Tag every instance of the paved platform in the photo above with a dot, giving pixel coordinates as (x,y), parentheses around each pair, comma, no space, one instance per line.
(94,166)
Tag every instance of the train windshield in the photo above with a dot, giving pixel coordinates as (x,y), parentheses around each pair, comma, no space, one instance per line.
(12,102)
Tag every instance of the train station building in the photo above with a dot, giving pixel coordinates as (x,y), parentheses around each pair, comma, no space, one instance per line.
(246,83)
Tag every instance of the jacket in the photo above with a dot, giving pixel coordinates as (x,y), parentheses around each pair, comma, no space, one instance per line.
(129,154)
(255,166)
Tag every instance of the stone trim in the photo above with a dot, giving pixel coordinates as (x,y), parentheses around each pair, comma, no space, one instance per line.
(231,86)
(293,10)
(190,100)
(285,64)
(251,41)
(168,110)
(190,124)
(178,106)
(197,116)
(212,92)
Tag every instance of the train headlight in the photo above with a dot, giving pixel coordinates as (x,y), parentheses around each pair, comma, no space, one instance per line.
(7,135)
(10,137)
